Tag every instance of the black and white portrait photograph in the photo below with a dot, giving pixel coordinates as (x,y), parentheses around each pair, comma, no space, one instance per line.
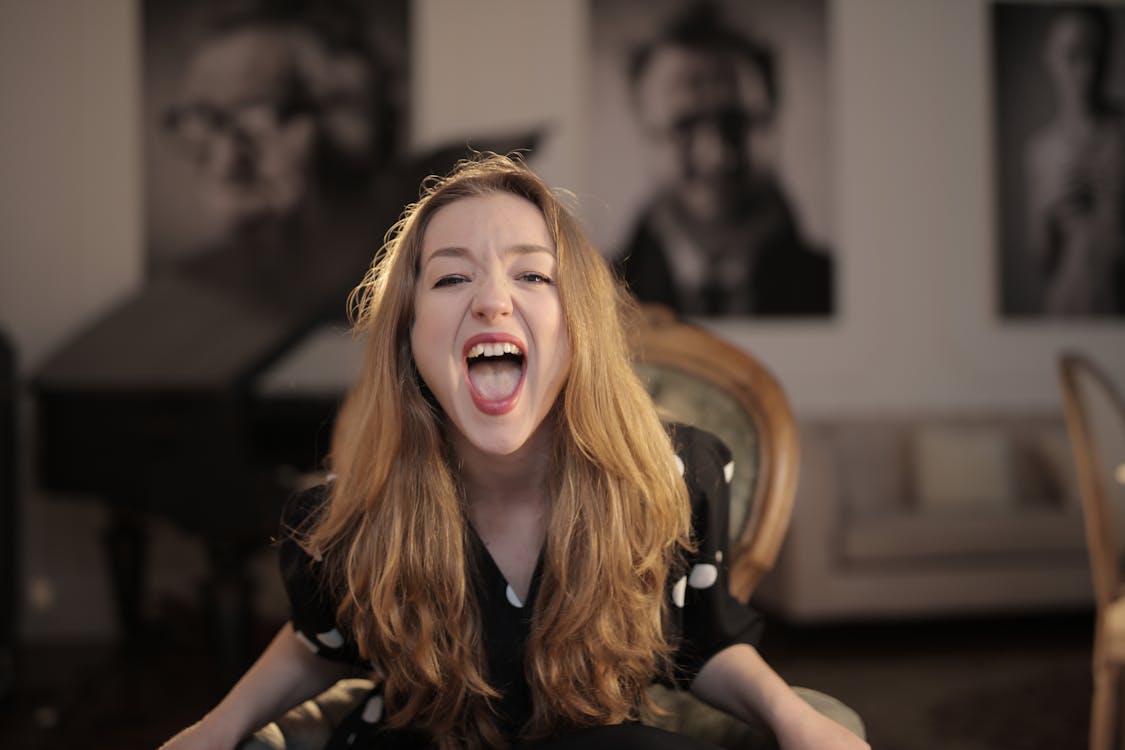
(1059,82)
(709,154)
(270,133)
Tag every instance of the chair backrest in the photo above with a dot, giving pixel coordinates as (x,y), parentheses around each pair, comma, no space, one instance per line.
(1095,417)
(697,378)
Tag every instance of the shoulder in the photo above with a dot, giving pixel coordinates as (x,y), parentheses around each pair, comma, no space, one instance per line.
(301,566)
(798,256)
(688,440)
(1046,152)
(643,245)
(301,510)
(705,460)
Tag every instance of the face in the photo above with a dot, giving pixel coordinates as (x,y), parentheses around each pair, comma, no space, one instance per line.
(489,337)
(705,114)
(1072,49)
(251,143)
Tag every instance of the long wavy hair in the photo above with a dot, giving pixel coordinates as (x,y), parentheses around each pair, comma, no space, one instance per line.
(394,531)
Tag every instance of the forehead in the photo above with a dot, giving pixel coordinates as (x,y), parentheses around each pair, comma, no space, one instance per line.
(682,80)
(482,223)
(1072,31)
(247,63)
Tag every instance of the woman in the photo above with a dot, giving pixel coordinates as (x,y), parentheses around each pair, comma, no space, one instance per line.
(1076,172)
(509,534)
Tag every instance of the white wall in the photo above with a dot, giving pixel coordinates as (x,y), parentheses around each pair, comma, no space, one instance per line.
(916,329)
(70,198)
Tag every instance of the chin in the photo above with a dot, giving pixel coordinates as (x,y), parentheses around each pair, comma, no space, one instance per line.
(496,439)
(702,205)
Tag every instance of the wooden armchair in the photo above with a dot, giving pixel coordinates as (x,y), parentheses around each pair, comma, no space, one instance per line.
(1095,417)
(700,379)
(696,378)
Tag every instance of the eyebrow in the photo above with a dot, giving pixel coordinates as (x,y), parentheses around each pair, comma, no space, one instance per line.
(456,251)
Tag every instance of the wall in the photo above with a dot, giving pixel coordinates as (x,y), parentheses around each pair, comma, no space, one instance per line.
(70,228)
(70,198)
(917,328)
(916,331)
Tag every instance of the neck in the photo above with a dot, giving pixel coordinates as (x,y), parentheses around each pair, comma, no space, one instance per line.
(1076,110)
(516,479)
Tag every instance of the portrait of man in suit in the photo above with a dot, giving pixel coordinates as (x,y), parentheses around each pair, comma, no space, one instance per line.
(717,233)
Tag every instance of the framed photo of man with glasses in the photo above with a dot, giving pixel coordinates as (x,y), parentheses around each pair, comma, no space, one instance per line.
(269,133)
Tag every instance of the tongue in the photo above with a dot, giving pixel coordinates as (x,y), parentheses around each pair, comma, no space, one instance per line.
(496,380)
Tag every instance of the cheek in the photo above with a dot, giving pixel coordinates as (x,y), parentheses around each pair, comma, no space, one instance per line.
(289,154)
(565,355)
(421,342)
(562,354)
(667,160)
(431,341)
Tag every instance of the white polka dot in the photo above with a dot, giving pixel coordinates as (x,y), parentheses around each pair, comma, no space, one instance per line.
(703,576)
(728,471)
(373,711)
(308,644)
(331,638)
(679,591)
(512,598)
(718,555)
(351,739)
(679,465)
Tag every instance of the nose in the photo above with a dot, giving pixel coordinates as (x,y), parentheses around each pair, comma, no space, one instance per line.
(227,152)
(710,152)
(492,300)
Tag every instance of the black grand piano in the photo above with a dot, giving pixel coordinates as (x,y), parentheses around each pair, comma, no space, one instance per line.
(197,398)
(158,410)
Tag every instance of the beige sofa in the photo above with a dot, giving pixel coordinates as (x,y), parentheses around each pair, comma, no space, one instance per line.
(932,515)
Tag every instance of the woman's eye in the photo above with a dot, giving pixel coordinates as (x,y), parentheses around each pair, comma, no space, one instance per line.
(535,278)
(449,281)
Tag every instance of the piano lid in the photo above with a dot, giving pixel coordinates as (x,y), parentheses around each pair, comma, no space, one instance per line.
(174,334)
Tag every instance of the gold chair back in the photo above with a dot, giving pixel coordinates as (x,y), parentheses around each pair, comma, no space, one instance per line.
(698,378)
(1095,417)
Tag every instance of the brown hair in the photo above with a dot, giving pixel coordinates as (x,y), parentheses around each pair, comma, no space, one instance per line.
(394,531)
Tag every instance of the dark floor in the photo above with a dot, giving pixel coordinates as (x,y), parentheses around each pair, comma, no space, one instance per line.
(1009,683)
(1012,683)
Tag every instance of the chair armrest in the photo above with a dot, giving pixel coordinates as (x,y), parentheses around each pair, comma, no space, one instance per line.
(309,725)
(683,713)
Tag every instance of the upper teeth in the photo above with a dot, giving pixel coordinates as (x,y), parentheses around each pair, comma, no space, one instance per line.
(493,350)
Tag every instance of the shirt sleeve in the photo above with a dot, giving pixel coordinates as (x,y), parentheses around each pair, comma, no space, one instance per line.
(312,605)
(704,616)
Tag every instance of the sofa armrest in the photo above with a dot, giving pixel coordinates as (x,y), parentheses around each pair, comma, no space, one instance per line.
(309,725)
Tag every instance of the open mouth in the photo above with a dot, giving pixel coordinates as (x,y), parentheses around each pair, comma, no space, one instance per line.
(495,370)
